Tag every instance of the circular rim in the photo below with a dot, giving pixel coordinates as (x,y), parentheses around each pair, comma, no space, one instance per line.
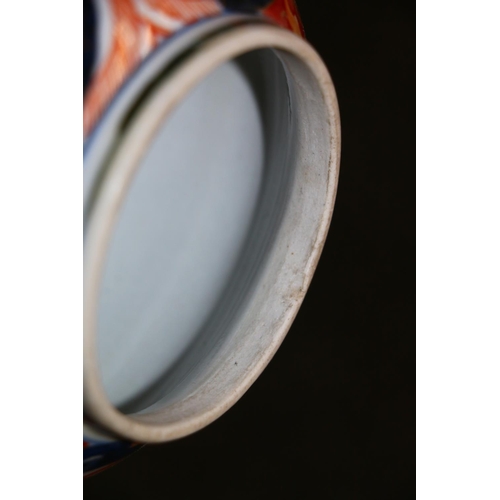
(216,51)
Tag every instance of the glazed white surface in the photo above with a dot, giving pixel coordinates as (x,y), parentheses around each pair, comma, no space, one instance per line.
(179,232)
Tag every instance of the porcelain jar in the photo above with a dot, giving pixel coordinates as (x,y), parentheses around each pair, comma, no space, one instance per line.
(211,158)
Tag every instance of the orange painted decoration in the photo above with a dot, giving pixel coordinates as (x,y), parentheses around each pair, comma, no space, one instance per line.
(140,25)
(285,13)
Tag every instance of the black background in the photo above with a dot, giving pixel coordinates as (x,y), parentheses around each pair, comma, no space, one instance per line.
(333,415)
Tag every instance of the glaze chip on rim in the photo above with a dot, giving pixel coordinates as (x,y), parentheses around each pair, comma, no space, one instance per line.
(228,372)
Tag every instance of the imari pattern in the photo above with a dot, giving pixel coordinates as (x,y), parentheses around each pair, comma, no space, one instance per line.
(136,27)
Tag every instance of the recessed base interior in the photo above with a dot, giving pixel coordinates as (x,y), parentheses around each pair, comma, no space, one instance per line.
(195,230)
